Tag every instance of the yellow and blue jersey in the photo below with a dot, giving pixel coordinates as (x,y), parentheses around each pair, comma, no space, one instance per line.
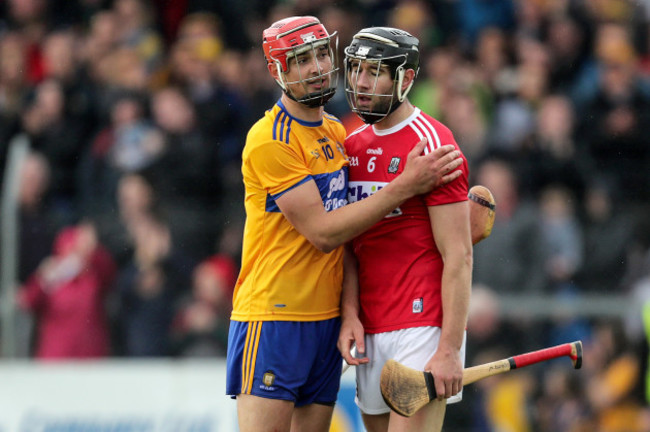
(283,276)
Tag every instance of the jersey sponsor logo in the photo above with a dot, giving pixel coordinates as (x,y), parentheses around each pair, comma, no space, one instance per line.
(359,190)
(333,188)
(337,184)
(418,305)
(378,151)
(394,165)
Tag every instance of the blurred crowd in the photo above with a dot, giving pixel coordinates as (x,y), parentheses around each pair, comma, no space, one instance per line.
(131,201)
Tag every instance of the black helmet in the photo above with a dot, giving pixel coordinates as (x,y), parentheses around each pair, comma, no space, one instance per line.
(384,45)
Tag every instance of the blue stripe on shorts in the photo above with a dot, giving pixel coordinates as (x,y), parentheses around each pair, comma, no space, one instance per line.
(287,360)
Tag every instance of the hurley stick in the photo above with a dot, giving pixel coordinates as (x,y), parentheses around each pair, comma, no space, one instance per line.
(406,390)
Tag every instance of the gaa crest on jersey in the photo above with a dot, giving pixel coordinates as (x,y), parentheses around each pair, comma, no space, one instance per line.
(315,154)
(268,380)
(393,167)
(418,305)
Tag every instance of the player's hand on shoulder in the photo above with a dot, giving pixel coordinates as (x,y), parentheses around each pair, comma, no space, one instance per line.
(435,169)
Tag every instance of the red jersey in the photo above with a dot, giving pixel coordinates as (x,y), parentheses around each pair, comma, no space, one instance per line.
(400,268)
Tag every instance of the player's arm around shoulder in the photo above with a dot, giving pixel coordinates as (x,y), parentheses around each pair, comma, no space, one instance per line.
(304,209)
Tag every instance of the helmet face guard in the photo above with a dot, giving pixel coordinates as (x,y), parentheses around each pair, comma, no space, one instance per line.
(380,46)
(293,38)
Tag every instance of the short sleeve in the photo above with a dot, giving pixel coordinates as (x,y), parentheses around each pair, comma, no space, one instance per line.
(456,190)
(277,166)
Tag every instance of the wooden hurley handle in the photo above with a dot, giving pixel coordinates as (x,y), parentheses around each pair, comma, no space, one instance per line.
(573,350)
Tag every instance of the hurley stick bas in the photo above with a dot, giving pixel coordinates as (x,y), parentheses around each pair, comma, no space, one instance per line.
(406,390)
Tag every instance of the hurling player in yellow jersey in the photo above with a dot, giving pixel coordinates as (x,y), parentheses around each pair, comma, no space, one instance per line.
(283,364)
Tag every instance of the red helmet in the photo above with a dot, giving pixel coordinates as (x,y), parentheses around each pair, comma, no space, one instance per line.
(296,35)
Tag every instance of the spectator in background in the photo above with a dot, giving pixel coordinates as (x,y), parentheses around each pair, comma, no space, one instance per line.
(613,381)
(613,127)
(492,53)
(193,62)
(186,177)
(476,15)
(509,261)
(608,236)
(31,18)
(67,296)
(562,405)
(37,227)
(435,76)
(520,88)
(550,154)
(200,327)
(136,201)
(416,18)
(62,62)
(59,138)
(128,144)
(101,38)
(572,68)
(467,107)
(135,20)
(148,288)
(562,238)
(13,89)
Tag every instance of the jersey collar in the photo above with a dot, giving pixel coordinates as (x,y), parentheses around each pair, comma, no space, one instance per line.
(398,126)
(302,122)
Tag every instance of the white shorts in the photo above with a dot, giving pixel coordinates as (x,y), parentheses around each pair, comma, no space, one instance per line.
(412,347)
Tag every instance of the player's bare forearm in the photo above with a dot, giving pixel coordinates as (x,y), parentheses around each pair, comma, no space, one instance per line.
(350,292)
(352,332)
(456,289)
(453,239)
(451,230)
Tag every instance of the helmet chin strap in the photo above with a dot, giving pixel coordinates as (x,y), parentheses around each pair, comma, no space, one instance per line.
(314,100)
(372,118)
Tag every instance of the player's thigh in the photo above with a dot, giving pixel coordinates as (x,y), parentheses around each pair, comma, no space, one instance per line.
(375,423)
(312,418)
(258,414)
(429,418)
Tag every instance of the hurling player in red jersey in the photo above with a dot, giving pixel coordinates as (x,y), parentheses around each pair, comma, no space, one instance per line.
(410,298)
